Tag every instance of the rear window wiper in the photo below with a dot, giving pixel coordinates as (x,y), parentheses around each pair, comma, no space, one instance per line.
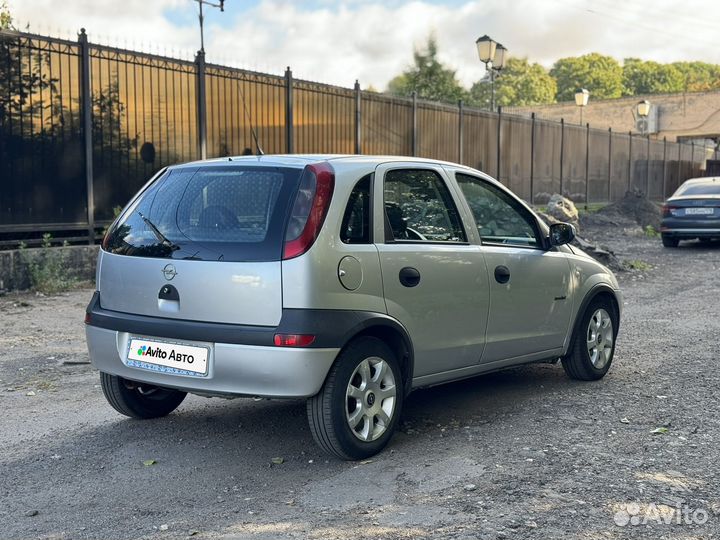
(160,236)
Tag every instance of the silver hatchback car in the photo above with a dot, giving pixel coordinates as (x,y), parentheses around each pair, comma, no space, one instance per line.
(346,280)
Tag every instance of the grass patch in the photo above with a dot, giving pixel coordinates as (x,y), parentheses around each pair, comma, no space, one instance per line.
(637,264)
(650,232)
(48,268)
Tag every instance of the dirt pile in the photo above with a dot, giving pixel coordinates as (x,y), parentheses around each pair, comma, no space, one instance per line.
(602,254)
(632,210)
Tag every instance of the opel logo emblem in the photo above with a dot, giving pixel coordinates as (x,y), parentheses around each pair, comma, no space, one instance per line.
(169,271)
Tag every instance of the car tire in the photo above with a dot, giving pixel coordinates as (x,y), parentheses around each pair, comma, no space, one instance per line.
(593,345)
(669,241)
(357,410)
(138,400)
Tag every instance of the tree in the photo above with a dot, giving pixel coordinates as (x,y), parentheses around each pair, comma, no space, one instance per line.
(646,77)
(428,77)
(699,76)
(601,75)
(5,16)
(519,83)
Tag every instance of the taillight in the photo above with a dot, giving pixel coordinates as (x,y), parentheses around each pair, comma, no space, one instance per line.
(310,208)
(88,318)
(668,211)
(106,240)
(293,340)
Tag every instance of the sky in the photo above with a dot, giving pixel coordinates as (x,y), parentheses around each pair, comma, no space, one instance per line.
(340,41)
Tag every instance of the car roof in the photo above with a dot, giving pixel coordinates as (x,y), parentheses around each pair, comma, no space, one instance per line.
(702,180)
(301,160)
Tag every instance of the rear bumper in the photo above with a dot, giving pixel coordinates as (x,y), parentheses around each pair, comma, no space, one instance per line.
(690,232)
(249,370)
(243,359)
(683,227)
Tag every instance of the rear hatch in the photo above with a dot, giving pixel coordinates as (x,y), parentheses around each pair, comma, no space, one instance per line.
(700,209)
(202,243)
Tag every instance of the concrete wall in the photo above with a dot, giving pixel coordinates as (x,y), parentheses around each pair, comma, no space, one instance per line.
(78,262)
(694,115)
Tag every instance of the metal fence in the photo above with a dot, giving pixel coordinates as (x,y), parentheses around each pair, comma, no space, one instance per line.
(82,127)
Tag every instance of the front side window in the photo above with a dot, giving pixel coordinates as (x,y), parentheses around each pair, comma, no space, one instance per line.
(419,207)
(500,219)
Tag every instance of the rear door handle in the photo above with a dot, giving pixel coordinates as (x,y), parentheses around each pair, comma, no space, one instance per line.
(409,276)
(502,274)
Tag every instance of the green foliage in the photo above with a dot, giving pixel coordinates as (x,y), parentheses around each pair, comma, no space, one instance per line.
(699,76)
(428,77)
(637,264)
(601,75)
(646,77)
(519,83)
(48,268)
(650,232)
(5,16)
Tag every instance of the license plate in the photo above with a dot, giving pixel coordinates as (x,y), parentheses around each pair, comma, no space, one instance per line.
(166,357)
(699,211)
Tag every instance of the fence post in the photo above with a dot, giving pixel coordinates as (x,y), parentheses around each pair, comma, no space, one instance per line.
(414,124)
(647,170)
(358,118)
(609,193)
(499,138)
(532,158)
(562,151)
(289,131)
(630,162)
(692,158)
(664,180)
(86,104)
(461,113)
(679,170)
(587,165)
(201,103)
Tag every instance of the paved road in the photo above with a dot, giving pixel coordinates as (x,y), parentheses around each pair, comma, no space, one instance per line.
(525,453)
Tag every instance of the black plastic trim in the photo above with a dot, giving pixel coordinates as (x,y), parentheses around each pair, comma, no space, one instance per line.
(333,328)
(589,297)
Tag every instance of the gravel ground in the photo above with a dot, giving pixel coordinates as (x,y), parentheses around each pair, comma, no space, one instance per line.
(524,453)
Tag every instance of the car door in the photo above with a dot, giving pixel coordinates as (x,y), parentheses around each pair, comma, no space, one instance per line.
(530,286)
(435,283)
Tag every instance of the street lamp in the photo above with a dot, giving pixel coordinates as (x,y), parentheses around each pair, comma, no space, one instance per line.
(221,5)
(581,100)
(643,110)
(493,55)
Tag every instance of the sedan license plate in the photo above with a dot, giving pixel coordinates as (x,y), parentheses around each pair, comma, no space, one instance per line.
(699,211)
(166,357)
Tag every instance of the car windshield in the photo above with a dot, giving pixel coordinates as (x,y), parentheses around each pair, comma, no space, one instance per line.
(208,213)
(699,189)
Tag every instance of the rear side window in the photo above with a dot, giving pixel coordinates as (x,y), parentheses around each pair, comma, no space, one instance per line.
(355,227)
(209,213)
(419,207)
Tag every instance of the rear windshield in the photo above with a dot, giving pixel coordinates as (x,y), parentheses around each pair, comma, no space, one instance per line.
(209,213)
(698,189)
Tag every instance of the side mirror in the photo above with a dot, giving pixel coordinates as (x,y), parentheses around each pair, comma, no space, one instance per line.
(561,233)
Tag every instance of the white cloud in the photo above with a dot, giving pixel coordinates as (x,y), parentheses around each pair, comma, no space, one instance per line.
(338,42)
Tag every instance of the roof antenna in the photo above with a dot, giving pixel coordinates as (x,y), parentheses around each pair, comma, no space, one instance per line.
(250,122)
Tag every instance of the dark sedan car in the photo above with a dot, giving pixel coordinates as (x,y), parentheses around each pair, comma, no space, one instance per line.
(693,211)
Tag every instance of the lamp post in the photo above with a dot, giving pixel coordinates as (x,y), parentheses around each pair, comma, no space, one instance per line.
(643,110)
(581,100)
(201,18)
(493,55)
